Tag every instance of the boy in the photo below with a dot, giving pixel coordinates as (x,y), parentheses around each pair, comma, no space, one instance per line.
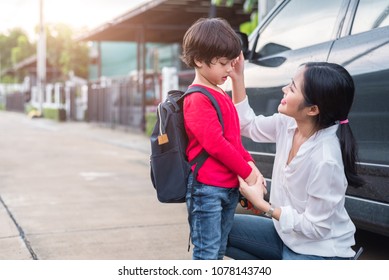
(210,46)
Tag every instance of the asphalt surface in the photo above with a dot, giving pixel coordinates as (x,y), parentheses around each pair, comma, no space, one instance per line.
(78,191)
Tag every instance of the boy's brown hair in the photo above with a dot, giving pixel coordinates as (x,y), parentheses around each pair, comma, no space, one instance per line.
(209,38)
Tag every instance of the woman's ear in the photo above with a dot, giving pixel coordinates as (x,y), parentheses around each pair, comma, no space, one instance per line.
(313,110)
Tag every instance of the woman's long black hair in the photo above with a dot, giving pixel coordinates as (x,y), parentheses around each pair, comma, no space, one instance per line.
(330,87)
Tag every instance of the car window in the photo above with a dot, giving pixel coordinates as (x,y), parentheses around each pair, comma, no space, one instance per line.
(299,24)
(371,14)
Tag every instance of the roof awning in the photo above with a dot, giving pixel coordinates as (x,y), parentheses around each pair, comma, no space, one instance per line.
(162,21)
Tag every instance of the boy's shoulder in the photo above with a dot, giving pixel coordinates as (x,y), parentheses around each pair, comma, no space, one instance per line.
(197,98)
(216,93)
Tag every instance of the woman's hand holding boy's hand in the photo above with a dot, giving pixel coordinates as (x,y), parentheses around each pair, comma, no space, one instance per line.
(252,178)
(254,193)
(258,173)
(259,178)
(255,175)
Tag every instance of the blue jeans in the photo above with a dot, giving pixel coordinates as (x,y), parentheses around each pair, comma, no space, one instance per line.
(255,238)
(211,217)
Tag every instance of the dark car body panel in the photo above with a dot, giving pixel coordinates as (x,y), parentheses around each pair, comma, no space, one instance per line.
(366,56)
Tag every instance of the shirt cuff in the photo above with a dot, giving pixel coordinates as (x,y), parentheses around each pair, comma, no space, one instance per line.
(286,220)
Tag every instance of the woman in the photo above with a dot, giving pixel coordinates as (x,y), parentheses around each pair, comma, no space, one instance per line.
(311,172)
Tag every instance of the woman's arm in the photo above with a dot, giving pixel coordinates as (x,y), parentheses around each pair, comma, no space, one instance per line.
(237,78)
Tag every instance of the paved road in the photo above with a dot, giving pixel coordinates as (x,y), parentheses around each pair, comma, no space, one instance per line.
(74,191)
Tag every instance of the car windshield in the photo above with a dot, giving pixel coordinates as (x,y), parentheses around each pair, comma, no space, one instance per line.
(315,26)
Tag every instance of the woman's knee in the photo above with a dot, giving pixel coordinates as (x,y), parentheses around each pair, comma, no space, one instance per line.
(254,236)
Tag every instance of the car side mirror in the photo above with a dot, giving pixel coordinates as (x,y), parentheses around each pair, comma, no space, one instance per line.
(245,44)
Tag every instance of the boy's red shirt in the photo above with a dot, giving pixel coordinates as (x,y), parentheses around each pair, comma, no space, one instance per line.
(228,158)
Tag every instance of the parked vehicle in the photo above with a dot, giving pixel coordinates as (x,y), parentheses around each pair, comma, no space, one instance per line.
(355,34)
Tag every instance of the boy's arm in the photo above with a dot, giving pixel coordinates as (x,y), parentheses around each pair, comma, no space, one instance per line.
(202,122)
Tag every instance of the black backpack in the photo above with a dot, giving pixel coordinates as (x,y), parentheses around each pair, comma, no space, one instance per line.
(169,166)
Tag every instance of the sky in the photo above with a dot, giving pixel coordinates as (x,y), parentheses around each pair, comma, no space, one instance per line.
(76,13)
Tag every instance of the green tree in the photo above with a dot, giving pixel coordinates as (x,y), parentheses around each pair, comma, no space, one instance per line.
(22,50)
(64,53)
(249,26)
(14,47)
(248,6)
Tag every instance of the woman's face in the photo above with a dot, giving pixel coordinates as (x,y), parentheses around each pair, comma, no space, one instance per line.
(293,102)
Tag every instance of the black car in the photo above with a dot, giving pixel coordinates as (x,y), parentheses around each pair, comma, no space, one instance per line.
(355,34)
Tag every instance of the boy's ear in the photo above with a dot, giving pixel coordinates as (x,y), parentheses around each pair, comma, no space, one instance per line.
(313,111)
(198,63)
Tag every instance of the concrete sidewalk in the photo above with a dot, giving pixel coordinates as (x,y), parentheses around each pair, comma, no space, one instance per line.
(75,191)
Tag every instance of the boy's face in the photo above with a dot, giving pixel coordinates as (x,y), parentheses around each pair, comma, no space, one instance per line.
(217,72)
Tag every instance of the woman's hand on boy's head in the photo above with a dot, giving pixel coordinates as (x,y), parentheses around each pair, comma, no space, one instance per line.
(237,67)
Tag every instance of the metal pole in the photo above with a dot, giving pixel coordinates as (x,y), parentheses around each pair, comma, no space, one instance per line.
(99,60)
(144,69)
(212,10)
(41,57)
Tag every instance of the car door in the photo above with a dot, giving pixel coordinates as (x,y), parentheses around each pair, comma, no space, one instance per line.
(364,52)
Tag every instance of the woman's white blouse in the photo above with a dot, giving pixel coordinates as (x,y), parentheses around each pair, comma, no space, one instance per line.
(310,190)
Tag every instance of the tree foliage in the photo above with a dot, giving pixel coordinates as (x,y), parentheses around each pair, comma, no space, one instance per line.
(248,6)
(63,53)
(14,47)
(22,50)
(249,26)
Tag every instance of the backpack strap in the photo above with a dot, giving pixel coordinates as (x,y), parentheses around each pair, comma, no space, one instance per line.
(163,115)
(210,96)
(201,158)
